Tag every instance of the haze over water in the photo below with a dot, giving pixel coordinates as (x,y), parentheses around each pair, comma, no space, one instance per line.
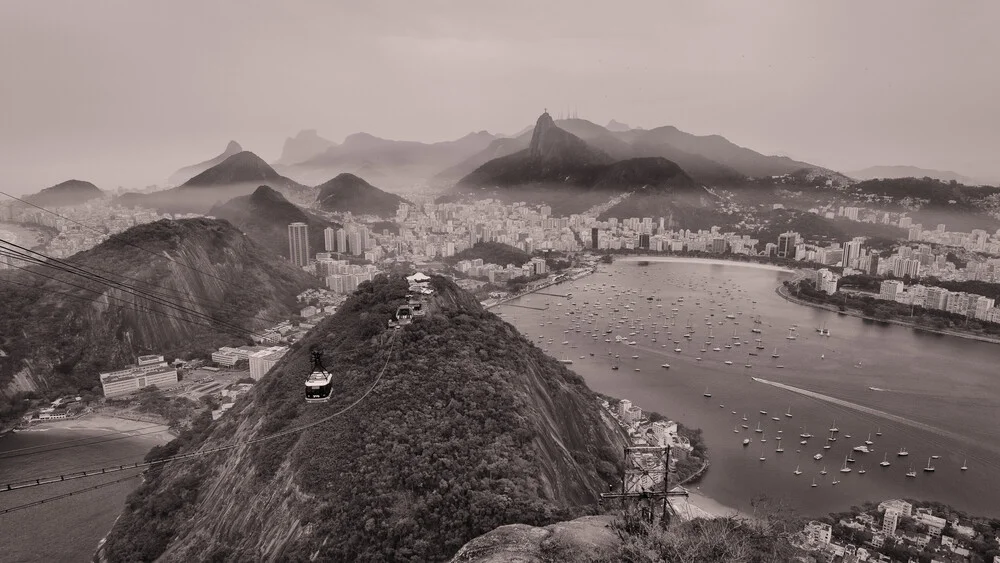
(939,395)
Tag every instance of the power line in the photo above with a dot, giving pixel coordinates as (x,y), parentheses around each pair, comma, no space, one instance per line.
(75,270)
(39,481)
(164,255)
(94,441)
(67,495)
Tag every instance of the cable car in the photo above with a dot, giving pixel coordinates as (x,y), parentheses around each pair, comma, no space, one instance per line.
(404,315)
(319,384)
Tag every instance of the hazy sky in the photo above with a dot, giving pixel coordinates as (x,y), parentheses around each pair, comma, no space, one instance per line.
(125,92)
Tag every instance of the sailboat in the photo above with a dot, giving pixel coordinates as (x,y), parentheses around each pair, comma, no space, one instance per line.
(814,482)
(706,393)
(885,460)
(964,467)
(788,413)
(779,449)
(878,431)
(845,469)
(911,472)
(869,440)
(903,452)
(834,427)
(762,458)
(823,472)
(736,429)
(775,353)
(797,470)
(929,467)
(862,471)
(758,429)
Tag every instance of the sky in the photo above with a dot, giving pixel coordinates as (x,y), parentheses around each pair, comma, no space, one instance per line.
(124,92)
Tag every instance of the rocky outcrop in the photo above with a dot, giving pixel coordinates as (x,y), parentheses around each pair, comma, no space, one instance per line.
(188,172)
(587,539)
(303,146)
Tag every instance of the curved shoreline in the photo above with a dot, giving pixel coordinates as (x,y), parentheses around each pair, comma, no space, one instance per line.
(783,293)
(708,261)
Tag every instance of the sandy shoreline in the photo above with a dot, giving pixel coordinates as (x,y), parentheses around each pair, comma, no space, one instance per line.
(708,261)
(697,505)
(106,424)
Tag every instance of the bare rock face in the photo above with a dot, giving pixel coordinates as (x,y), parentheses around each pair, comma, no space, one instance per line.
(578,541)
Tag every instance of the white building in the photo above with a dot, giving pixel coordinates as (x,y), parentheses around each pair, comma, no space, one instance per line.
(889,522)
(150,370)
(262,361)
(819,532)
(889,289)
(899,505)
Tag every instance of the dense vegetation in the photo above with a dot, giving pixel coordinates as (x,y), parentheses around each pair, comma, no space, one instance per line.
(456,440)
(67,338)
(765,539)
(492,253)
(983,545)
(349,193)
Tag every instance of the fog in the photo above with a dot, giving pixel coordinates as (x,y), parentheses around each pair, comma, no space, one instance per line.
(122,93)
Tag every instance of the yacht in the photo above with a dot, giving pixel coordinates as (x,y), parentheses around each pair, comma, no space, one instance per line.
(706,393)
(779,449)
(814,482)
(885,461)
(728,362)
(834,482)
(805,434)
(929,467)
(797,470)
(746,441)
(903,452)
(869,440)
(911,472)
(964,467)
(878,431)
(788,413)
(862,471)
(862,449)
(665,366)
(818,457)
(758,429)
(823,472)
(736,429)
(763,412)
(834,427)
(762,458)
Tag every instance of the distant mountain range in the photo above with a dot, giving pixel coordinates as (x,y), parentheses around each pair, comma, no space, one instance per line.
(70,192)
(349,193)
(188,172)
(59,336)
(560,162)
(708,159)
(879,172)
(239,174)
(393,164)
(303,146)
(265,215)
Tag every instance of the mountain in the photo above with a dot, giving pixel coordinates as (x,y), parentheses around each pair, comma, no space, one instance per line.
(265,215)
(882,172)
(557,163)
(70,192)
(238,175)
(347,192)
(672,142)
(617,127)
(393,164)
(188,172)
(468,426)
(303,146)
(58,338)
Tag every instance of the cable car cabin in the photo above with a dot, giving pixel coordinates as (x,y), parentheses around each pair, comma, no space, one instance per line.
(404,315)
(319,384)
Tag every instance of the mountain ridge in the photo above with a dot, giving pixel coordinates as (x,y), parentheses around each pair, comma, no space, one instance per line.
(70,192)
(471,436)
(347,192)
(187,172)
(55,341)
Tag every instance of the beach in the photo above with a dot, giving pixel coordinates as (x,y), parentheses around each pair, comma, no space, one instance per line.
(697,505)
(691,260)
(91,423)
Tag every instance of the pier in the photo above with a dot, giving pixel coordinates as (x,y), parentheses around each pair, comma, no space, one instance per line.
(552,294)
(524,306)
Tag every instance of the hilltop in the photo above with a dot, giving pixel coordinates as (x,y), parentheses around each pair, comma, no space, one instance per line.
(492,253)
(188,172)
(265,215)
(349,193)
(931,201)
(559,163)
(238,175)
(58,337)
(70,192)
(469,426)
(902,171)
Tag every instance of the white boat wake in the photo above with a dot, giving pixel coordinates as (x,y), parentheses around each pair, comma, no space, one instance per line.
(867,410)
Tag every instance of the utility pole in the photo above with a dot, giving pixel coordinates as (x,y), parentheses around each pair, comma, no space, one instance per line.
(640,486)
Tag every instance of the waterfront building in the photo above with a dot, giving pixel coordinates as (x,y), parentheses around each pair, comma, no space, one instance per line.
(149,370)
(262,361)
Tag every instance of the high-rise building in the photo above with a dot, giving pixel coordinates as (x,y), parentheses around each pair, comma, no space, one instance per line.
(852,251)
(890,521)
(594,237)
(644,241)
(330,239)
(341,240)
(786,244)
(298,244)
